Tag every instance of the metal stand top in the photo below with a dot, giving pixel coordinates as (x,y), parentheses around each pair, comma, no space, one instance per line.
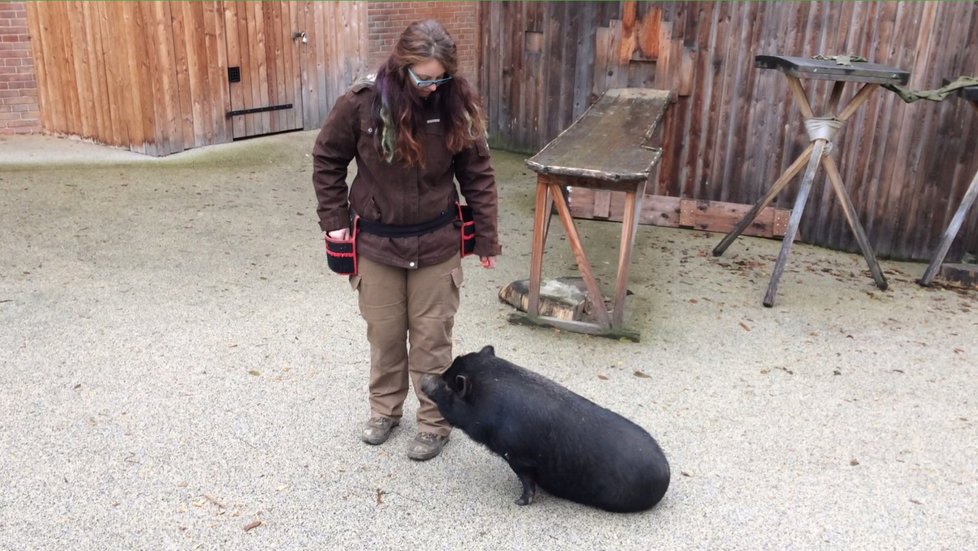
(803,67)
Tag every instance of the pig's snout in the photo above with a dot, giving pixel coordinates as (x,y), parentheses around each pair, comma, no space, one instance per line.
(429,383)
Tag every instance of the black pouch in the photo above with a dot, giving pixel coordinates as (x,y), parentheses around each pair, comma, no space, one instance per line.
(467,229)
(341,254)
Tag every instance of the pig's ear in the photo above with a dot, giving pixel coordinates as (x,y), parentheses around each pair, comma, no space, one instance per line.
(488,351)
(462,382)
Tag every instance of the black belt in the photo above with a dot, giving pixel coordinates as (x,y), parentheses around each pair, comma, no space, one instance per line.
(394,230)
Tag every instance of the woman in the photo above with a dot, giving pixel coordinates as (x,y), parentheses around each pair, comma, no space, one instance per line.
(411,131)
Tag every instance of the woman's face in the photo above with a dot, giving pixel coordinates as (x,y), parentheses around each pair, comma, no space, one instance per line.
(431,69)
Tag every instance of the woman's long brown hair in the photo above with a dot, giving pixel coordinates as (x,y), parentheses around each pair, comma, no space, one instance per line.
(399,111)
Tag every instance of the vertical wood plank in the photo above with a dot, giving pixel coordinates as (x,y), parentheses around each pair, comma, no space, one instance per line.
(183,26)
(43,67)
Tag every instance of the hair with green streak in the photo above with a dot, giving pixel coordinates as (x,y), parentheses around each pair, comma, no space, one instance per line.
(400,111)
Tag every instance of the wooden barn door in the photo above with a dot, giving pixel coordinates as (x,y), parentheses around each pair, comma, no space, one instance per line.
(263,67)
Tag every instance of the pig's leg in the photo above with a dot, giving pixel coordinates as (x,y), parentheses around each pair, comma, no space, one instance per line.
(529,489)
(525,474)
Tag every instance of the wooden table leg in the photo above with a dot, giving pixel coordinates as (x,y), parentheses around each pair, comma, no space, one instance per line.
(951,232)
(548,210)
(597,299)
(840,192)
(540,224)
(794,221)
(629,227)
(785,178)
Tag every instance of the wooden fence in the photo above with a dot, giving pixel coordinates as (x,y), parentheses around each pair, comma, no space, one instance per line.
(734,128)
(162,77)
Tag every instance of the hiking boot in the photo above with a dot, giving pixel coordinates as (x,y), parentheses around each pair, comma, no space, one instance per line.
(378,429)
(425,446)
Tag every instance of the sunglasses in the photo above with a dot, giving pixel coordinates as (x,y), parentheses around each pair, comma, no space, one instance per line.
(426,83)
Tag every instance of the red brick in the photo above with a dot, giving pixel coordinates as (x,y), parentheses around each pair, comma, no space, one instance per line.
(18,78)
(14,46)
(17,100)
(24,124)
(27,110)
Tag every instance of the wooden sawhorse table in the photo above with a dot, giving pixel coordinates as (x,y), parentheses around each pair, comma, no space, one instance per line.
(821,130)
(971,95)
(607,148)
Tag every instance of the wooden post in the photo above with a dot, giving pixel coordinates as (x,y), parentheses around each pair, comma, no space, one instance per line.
(852,218)
(629,227)
(794,221)
(540,222)
(597,299)
(768,197)
(951,232)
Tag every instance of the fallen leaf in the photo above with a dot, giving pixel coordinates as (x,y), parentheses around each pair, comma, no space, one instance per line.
(602,376)
(252,525)
(254,372)
(956,351)
(854,462)
(744,325)
(380,496)
(642,375)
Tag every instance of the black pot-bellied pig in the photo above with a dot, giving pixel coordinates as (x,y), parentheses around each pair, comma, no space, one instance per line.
(550,436)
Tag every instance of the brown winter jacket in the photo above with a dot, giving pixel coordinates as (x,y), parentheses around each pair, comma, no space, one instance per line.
(399,194)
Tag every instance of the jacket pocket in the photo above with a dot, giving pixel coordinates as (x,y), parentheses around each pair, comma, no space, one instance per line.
(355,282)
(368,143)
(457,277)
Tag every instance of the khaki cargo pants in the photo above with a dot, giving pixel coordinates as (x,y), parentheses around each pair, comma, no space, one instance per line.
(410,315)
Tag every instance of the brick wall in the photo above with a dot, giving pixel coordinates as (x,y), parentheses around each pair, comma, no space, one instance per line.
(387,20)
(18,87)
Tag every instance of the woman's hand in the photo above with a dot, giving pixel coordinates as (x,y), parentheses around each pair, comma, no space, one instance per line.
(488,262)
(340,234)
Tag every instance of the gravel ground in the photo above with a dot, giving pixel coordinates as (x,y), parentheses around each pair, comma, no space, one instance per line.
(177,365)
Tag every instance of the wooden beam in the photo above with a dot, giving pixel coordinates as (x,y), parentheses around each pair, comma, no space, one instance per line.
(675,212)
